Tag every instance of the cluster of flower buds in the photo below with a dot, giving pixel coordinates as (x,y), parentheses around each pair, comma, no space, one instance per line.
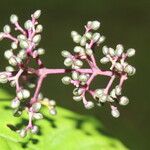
(27,78)
(20,73)
(82,78)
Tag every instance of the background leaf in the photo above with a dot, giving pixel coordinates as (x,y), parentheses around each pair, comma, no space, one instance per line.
(66,131)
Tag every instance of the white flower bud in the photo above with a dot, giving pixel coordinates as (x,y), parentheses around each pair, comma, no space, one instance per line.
(75,75)
(130,52)
(101,39)
(111,52)
(41,51)
(66,80)
(113,94)
(104,60)
(103,98)
(130,70)
(65,53)
(8,54)
(21,37)
(15,103)
(7,29)
(53,111)
(83,41)
(36,107)
(89,51)
(24,44)
(78,63)
(22,54)
(68,62)
(34,129)
(77,38)
(3,78)
(118,90)
(78,49)
(88,35)
(37,14)
(23,133)
(89,105)
(9,69)
(110,99)
(73,33)
(83,78)
(105,50)
(37,38)
(13,83)
(77,98)
(13,18)
(14,45)
(99,92)
(115,113)
(23,94)
(95,25)
(119,50)
(39,28)
(38,116)
(28,25)
(52,102)
(119,67)
(124,101)
(96,37)
(1,36)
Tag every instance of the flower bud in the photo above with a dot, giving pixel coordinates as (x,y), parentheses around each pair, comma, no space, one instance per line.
(105,50)
(88,35)
(53,111)
(113,94)
(8,54)
(13,19)
(77,98)
(78,63)
(24,44)
(36,107)
(34,129)
(14,45)
(23,94)
(115,113)
(38,116)
(103,98)
(101,39)
(89,105)
(89,51)
(39,28)
(21,37)
(111,52)
(37,38)
(119,67)
(65,53)
(77,38)
(83,78)
(9,69)
(37,14)
(7,29)
(3,78)
(96,37)
(75,75)
(78,49)
(118,90)
(95,25)
(124,101)
(15,103)
(130,52)
(28,25)
(130,70)
(83,41)
(22,54)
(14,61)
(23,133)
(119,50)
(73,33)
(52,102)
(68,62)
(104,60)
(66,80)
(41,51)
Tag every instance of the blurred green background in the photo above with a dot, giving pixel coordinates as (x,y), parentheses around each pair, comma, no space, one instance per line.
(126,22)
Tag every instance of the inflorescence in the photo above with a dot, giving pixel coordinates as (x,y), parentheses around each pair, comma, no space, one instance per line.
(27,80)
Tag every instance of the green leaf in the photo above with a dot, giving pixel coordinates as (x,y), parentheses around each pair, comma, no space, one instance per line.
(65,131)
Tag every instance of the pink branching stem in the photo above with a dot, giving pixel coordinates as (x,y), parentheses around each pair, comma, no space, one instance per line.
(19,28)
